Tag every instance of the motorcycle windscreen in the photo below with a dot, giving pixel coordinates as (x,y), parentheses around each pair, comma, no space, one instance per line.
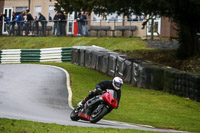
(113,93)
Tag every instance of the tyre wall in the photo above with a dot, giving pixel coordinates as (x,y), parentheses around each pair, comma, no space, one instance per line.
(139,73)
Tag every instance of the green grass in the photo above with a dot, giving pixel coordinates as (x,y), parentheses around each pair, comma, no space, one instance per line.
(140,106)
(49,42)
(21,126)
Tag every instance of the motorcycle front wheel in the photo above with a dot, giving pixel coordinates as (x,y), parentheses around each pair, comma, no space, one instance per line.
(74,115)
(98,114)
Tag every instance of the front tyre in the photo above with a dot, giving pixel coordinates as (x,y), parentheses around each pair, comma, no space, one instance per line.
(74,115)
(98,114)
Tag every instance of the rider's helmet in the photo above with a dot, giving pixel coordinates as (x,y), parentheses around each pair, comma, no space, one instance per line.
(117,83)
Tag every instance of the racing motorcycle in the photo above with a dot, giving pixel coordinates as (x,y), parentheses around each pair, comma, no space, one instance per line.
(96,108)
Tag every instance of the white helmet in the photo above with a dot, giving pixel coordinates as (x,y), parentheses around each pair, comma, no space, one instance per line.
(117,83)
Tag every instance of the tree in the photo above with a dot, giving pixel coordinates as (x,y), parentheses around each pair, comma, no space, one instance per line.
(185,13)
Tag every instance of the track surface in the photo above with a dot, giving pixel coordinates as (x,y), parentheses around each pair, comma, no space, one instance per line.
(39,93)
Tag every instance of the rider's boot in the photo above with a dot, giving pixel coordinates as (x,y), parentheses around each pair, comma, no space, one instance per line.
(81,103)
(90,95)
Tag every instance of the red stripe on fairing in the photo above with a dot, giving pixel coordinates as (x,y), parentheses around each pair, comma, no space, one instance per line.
(84,116)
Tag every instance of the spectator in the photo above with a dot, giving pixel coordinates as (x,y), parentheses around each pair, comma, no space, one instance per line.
(85,24)
(20,20)
(63,24)
(36,26)
(55,19)
(27,21)
(43,22)
(13,24)
(59,24)
(79,25)
(7,20)
(30,19)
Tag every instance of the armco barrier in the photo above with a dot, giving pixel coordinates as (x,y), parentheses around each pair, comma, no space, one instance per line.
(35,55)
(10,56)
(137,72)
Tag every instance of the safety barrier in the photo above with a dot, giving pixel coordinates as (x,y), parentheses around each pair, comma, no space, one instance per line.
(137,72)
(62,54)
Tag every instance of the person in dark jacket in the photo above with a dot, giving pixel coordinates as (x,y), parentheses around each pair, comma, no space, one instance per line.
(7,20)
(27,21)
(114,84)
(60,24)
(64,22)
(36,26)
(55,20)
(13,24)
(43,22)
(79,24)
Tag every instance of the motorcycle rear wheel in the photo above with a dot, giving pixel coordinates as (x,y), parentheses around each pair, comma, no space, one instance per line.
(74,115)
(96,116)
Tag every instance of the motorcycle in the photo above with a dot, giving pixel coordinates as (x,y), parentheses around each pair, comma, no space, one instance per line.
(96,108)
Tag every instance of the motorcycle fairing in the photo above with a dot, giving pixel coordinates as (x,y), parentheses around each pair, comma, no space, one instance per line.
(83,116)
(109,99)
(87,109)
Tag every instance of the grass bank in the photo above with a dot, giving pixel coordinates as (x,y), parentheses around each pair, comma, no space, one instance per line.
(49,42)
(140,106)
(134,47)
(21,126)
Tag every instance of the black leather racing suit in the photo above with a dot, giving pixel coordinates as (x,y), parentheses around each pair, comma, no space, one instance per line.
(102,86)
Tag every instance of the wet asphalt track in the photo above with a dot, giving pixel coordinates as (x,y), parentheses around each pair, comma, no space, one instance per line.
(39,93)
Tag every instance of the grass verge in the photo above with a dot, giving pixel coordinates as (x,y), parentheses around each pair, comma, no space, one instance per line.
(139,106)
(21,126)
(135,47)
(49,42)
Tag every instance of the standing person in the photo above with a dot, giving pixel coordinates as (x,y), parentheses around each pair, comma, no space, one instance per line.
(43,22)
(36,23)
(7,20)
(30,19)
(20,20)
(63,24)
(13,23)
(79,25)
(55,25)
(85,24)
(26,23)
(58,33)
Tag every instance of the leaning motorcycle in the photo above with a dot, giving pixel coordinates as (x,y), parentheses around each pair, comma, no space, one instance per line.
(96,108)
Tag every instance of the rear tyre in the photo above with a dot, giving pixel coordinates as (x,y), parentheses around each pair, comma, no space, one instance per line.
(98,114)
(74,115)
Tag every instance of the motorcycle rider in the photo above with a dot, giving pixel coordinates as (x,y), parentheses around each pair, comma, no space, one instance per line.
(114,84)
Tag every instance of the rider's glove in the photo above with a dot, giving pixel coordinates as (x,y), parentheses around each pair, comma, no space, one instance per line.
(99,91)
